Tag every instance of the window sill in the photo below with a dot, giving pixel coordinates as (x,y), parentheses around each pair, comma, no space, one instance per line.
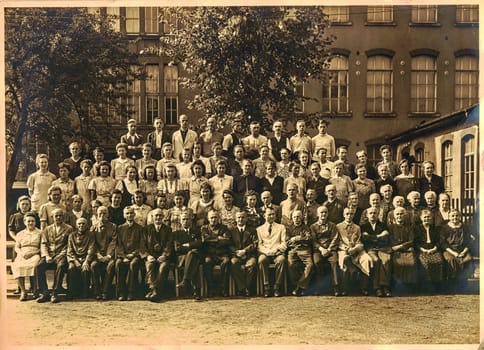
(381,24)
(423,115)
(341,24)
(337,115)
(467,25)
(424,24)
(380,115)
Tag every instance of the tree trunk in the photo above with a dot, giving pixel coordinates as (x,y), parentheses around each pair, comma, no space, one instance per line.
(12,167)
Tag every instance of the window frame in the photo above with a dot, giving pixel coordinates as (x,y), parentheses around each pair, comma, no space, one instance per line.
(430,12)
(340,101)
(372,17)
(381,85)
(471,75)
(430,86)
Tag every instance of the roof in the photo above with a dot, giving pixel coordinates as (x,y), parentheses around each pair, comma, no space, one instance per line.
(466,116)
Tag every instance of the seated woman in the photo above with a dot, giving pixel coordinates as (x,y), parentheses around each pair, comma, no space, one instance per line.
(442,214)
(403,256)
(427,242)
(27,247)
(455,240)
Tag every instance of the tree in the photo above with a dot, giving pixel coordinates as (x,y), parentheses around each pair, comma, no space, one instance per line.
(248,59)
(63,67)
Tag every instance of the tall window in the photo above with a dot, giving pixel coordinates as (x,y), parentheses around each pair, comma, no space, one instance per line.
(170,78)
(151,19)
(423,94)
(467,14)
(380,14)
(424,14)
(132,19)
(335,90)
(134,99)
(419,158)
(114,18)
(152,92)
(379,88)
(469,169)
(466,81)
(447,158)
(338,14)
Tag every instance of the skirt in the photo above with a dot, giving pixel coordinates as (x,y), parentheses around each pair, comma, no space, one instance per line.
(432,266)
(404,269)
(25,267)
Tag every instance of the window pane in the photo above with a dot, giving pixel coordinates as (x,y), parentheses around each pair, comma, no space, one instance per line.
(151,19)
(152,78)
(114,17)
(466,82)
(335,90)
(379,85)
(467,13)
(424,14)
(171,79)
(132,19)
(423,84)
(380,14)
(337,14)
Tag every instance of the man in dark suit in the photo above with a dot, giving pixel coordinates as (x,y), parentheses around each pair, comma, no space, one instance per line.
(273,183)
(267,202)
(158,255)
(334,205)
(244,254)
(245,182)
(104,234)
(429,182)
(158,137)
(133,140)
(216,241)
(129,250)
(317,182)
(187,243)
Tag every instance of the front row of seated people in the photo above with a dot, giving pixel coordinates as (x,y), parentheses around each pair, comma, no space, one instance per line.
(95,252)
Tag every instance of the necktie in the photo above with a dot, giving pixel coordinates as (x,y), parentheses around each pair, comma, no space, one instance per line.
(270,228)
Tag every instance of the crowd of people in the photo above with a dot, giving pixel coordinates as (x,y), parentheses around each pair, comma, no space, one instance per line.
(248,204)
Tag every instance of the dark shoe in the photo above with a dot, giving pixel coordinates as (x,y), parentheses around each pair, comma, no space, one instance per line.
(54,299)
(196,294)
(154,297)
(23,296)
(387,292)
(43,298)
(181,285)
(277,293)
(364,292)
(336,292)
(61,290)
(17,291)
(297,292)
(131,297)
(344,293)
(379,293)
(149,294)
(122,298)
(99,297)
(104,296)
(267,292)
(247,293)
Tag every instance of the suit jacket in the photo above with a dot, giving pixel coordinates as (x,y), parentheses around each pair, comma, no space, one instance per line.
(303,238)
(104,235)
(248,241)
(335,210)
(276,189)
(54,244)
(242,184)
(193,237)
(371,242)
(435,184)
(138,141)
(130,240)
(159,243)
(151,138)
(274,243)
(179,144)
(323,235)
(277,210)
(212,244)
(80,247)
(319,185)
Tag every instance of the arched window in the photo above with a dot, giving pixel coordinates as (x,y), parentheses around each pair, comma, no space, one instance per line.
(468,170)
(419,158)
(423,93)
(379,85)
(335,90)
(447,158)
(466,81)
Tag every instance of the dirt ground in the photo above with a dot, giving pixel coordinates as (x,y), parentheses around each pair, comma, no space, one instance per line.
(443,319)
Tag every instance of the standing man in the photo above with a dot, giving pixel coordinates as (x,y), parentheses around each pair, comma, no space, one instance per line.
(183,137)
(53,256)
(234,138)
(317,182)
(278,141)
(323,140)
(299,253)
(254,141)
(386,154)
(271,238)
(209,137)
(300,141)
(245,182)
(244,254)
(133,140)
(157,138)
(129,249)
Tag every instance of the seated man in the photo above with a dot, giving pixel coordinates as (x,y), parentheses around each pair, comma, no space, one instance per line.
(244,254)
(351,253)
(53,251)
(324,234)
(376,240)
(159,255)
(187,243)
(299,253)
(102,268)
(216,241)
(130,245)
(80,253)
(272,246)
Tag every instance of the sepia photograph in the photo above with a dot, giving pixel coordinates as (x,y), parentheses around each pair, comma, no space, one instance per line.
(240,175)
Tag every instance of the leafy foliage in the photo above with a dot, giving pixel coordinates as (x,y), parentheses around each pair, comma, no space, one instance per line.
(248,58)
(64,67)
